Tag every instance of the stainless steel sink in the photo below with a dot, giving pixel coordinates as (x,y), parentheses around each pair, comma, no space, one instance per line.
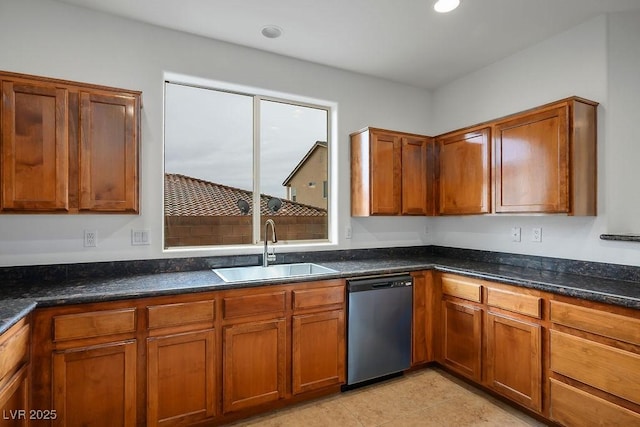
(278,271)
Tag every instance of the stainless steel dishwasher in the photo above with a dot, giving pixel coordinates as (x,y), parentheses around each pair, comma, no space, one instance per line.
(379,312)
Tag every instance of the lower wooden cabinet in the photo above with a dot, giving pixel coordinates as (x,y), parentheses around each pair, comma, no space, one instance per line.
(318,350)
(181,378)
(493,334)
(462,338)
(571,406)
(514,359)
(180,360)
(95,385)
(254,364)
(14,400)
(14,375)
(595,364)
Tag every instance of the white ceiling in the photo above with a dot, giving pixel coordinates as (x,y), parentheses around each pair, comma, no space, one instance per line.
(401,40)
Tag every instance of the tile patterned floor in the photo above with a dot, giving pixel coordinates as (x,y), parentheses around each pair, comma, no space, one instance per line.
(429,397)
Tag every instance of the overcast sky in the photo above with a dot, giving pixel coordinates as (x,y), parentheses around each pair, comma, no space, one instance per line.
(208,135)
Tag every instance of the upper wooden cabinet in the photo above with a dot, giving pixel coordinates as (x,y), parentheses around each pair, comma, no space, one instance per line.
(545,160)
(35,146)
(67,147)
(108,155)
(464,166)
(390,173)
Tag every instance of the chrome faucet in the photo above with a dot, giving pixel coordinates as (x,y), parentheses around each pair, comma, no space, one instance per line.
(266,256)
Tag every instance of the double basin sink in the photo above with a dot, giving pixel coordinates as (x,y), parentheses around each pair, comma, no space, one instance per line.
(278,271)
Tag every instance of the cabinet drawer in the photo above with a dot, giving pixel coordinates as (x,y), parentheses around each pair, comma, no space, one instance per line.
(573,407)
(607,368)
(167,315)
(599,322)
(250,305)
(528,305)
(461,288)
(94,324)
(14,350)
(312,298)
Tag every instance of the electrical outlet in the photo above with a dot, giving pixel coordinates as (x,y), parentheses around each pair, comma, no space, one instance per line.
(140,237)
(536,234)
(348,232)
(425,230)
(90,238)
(516,234)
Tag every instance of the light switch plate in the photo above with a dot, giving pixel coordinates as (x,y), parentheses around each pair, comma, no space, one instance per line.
(140,237)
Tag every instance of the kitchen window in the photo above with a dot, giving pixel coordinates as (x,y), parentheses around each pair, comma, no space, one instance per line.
(227,152)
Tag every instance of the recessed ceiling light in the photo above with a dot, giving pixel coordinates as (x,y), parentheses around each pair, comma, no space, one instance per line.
(444,6)
(271,31)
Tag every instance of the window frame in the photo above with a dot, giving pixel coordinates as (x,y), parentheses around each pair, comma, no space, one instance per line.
(259,95)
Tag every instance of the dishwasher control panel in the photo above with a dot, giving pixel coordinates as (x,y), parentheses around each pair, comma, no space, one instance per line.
(359,285)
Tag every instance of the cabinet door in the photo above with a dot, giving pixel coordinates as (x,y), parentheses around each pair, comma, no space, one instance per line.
(318,350)
(14,398)
(35,146)
(108,154)
(415,182)
(464,173)
(254,364)
(95,386)
(461,346)
(181,378)
(514,359)
(532,163)
(385,174)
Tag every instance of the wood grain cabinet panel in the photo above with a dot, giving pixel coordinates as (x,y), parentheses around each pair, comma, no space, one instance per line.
(545,160)
(108,154)
(95,385)
(416,170)
(517,302)
(188,314)
(318,350)
(599,322)
(391,173)
(385,174)
(574,407)
(461,287)
(601,366)
(318,298)
(14,375)
(254,304)
(462,338)
(94,324)
(181,378)
(14,400)
(35,147)
(14,349)
(68,147)
(254,364)
(464,172)
(514,359)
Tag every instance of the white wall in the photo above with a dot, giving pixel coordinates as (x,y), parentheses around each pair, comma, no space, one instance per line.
(52,39)
(623,141)
(598,60)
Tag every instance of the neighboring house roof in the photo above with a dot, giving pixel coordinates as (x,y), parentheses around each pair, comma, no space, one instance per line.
(187,196)
(295,170)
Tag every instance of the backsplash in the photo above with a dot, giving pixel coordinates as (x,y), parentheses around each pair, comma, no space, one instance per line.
(67,272)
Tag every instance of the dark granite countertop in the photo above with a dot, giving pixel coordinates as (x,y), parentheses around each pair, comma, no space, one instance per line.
(19,299)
